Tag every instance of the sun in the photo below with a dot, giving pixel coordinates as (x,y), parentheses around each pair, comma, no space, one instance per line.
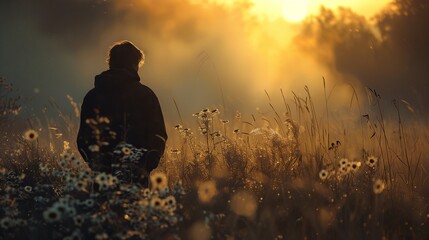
(294,10)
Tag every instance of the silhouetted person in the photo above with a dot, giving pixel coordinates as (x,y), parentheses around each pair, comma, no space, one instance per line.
(119,109)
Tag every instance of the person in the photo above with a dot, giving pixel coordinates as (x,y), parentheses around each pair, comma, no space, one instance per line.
(119,109)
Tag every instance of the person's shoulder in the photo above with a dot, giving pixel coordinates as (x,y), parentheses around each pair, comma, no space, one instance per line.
(90,94)
(143,89)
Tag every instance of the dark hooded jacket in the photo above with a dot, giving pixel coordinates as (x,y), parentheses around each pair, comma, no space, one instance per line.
(134,117)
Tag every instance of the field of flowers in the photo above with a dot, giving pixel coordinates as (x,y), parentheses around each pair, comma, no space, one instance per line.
(282,175)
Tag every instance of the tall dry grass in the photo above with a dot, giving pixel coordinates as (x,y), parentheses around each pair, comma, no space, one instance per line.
(294,172)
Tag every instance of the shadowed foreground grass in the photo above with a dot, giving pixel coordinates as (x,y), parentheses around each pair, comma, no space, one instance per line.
(281,176)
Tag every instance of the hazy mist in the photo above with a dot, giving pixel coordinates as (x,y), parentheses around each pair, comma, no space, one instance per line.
(203,55)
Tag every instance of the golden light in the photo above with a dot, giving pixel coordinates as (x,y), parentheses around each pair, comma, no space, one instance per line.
(294,10)
(297,10)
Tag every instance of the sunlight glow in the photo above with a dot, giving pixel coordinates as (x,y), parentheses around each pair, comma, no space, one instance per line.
(297,10)
(294,10)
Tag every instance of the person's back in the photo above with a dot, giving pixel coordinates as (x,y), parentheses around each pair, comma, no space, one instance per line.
(119,109)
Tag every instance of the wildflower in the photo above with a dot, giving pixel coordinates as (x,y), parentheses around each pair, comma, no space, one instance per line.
(323,174)
(5,222)
(378,186)
(196,114)
(102,180)
(345,169)
(31,135)
(78,220)
(126,151)
(70,180)
(84,174)
(80,185)
(354,166)
(28,189)
(203,130)
(89,202)
(61,207)
(215,111)
(224,121)
(170,203)
(73,158)
(52,215)
(178,127)
(343,161)
(146,192)
(110,180)
(158,181)
(205,114)
(156,203)
(113,180)
(186,132)
(371,161)
(62,163)
(66,155)
(206,191)
(236,131)
(94,148)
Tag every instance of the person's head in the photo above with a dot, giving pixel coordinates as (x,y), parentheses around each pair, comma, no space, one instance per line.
(125,54)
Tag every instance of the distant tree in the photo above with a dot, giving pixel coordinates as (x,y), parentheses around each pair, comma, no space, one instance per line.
(391,55)
(344,41)
(403,26)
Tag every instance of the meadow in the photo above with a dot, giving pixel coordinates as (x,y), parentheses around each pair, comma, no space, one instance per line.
(297,171)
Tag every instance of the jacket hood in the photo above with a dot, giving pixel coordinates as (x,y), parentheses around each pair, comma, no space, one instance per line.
(114,79)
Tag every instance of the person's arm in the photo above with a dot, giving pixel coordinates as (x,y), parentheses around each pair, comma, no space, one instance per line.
(85,132)
(158,135)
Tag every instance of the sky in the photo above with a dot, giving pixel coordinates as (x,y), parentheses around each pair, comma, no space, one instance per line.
(216,54)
